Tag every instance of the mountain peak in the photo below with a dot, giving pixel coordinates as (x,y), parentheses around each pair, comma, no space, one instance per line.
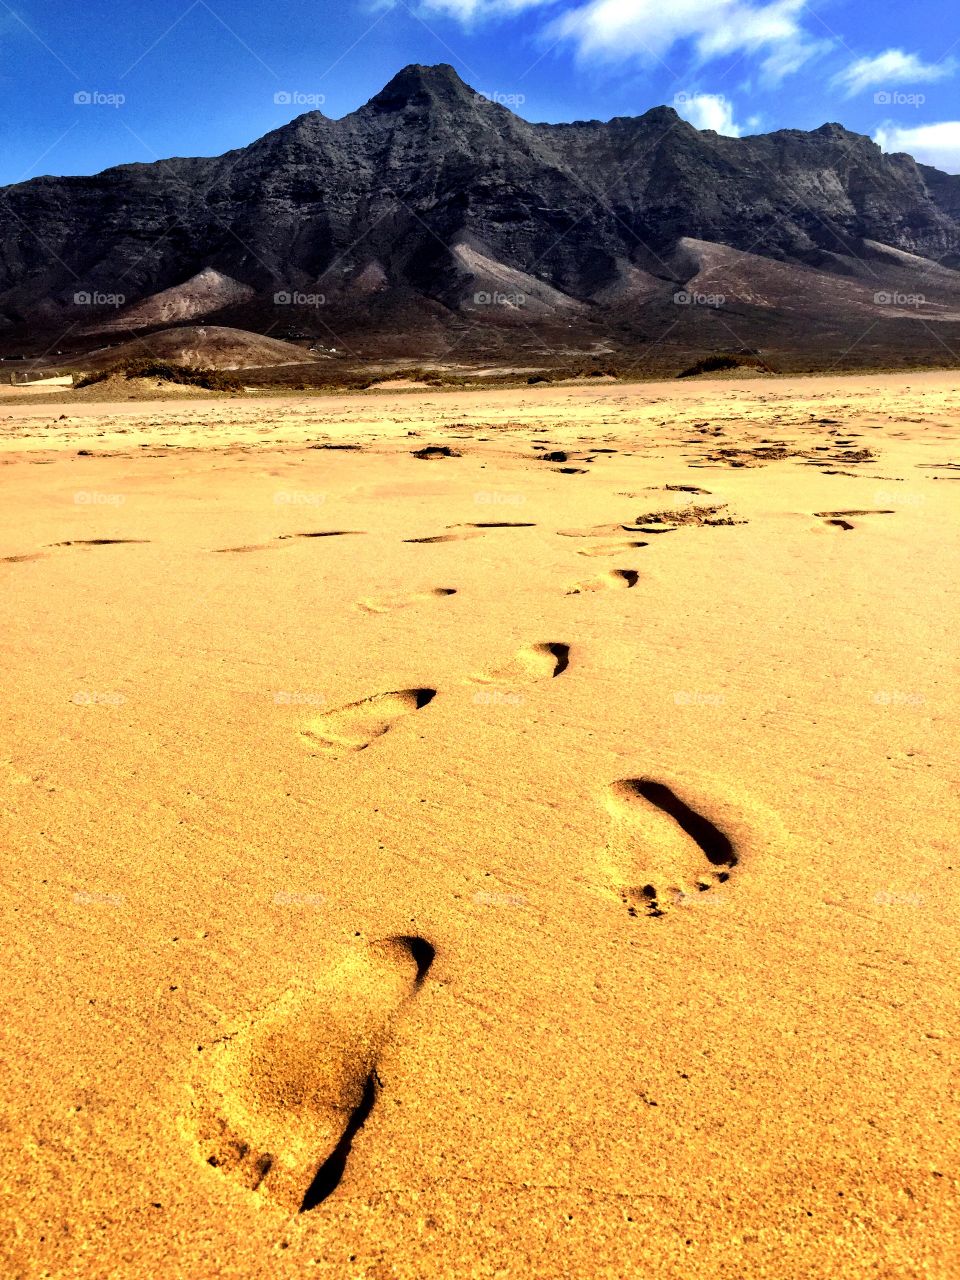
(418,85)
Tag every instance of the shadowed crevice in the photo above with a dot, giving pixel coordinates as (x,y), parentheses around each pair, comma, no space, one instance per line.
(330,1174)
(717,847)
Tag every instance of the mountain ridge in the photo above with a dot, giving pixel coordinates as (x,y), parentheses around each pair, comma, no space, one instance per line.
(394,201)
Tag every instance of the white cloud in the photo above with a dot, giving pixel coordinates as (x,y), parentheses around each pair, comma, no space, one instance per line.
(708,111)
(935,144)
(892,67)
(649,29)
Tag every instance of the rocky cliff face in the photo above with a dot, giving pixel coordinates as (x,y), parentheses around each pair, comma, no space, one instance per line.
(406,196)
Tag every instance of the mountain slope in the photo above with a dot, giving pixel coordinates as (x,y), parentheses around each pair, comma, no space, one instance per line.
(430,195)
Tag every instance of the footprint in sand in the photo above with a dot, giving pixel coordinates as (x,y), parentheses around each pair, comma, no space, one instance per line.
(461,536)
(320,533)
(100,542)
(259,546)
(387,604)
(661,849)
(277,1103)
(601,531)
(840,519)
(355,726)
(461,532)
(611,548)
(613,580)
(286,537)
(532,663)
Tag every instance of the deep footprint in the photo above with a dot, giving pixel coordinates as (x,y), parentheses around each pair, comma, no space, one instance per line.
(355,726)
(662,850)
(277,1103)
(534,662)
(615,579)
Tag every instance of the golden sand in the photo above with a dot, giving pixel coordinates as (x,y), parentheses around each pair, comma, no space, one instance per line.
(537,858)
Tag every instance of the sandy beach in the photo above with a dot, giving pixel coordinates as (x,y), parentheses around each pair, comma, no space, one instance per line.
(496,834)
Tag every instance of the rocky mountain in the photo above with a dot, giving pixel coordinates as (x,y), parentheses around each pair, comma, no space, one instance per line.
(432,207)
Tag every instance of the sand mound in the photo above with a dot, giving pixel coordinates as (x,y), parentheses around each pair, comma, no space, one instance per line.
(207,346)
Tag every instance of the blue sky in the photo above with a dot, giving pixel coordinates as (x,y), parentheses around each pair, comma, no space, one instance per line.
(109,82)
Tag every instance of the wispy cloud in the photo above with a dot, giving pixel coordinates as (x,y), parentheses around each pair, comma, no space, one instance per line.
(889,68)
(649,30)
(934,144)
